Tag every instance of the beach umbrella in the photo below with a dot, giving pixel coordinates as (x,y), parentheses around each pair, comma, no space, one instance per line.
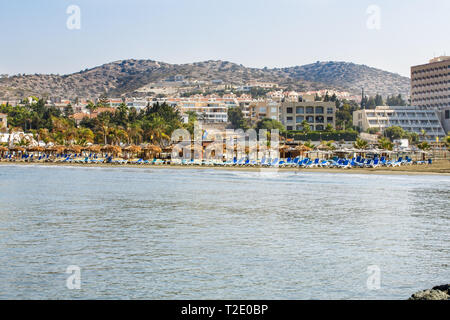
(36,149)
(17,149)
(115,150)
(56,149)
(133,149)
(75,149)
(94,148)
(153,150)
(302,149)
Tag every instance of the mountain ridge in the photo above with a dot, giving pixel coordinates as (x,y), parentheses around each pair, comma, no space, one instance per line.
(125,77)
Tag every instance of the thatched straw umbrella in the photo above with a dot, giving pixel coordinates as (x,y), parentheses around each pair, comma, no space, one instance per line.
(56,149)
(94,148)
(284,149)
(115,150)
(133,150)
(17,149)
(152,150)
(302,149)
(74,148)
(36,149)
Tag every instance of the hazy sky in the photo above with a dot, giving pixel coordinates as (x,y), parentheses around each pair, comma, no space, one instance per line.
(257,33)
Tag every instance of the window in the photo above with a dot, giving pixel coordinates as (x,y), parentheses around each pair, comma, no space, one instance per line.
(319,119)
(447,114)
(289,119)
(299,119)
(319,109)
(329,119)
(300,110)
(309,110)
(273,109)
(330,110)
(310,119)
(289,110)
(319,127)
(262,109)
(289,127)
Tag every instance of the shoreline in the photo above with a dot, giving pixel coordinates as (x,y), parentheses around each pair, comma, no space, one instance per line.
(434,169)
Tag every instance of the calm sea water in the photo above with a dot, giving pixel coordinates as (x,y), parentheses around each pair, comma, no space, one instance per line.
(196,234)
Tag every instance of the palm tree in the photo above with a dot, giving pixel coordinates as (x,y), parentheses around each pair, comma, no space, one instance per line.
(309,144)
(134,132)
(424,146)
(84,135)
(423,134)
(305,126)
(385,143)
(157,130)
(329,144)
(360,144)
(91,107)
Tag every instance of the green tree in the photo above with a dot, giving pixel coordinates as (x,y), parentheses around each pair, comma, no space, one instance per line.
(385,143)
(306,128)
(424,146)
(270,124)
(395,132)
(237,119)
(360,144)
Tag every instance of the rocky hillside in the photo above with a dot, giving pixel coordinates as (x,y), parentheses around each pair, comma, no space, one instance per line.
(352,77)
(125,76)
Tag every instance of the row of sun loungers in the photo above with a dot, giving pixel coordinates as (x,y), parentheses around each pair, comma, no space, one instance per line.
(358,162)
(77,158)
(305,162)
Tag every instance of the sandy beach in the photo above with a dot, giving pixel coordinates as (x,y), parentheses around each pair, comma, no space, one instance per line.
(439,167)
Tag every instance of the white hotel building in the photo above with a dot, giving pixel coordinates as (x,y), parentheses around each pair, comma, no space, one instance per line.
(411,119)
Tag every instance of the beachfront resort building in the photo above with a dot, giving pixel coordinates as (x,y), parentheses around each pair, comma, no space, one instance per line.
(318,114)
(411,119)
(430,87)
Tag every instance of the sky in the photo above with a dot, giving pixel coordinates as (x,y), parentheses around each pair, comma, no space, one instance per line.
(385,34)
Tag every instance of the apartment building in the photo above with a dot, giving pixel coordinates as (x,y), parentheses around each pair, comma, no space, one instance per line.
(207,110)
(411,119)
(318,114)
(430,87)
(264,109)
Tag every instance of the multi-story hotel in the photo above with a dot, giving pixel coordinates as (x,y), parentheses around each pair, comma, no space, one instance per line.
(318,114)
(411,119)
(430,87)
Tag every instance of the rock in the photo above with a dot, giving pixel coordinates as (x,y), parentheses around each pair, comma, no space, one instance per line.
(444,287)
(436,293)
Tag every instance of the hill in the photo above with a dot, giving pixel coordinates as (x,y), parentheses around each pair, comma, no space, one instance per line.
(126,76)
